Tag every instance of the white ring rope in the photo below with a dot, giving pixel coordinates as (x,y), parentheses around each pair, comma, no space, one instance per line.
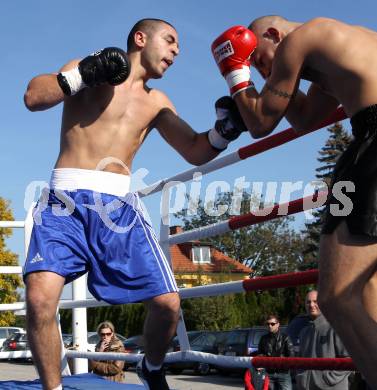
(188,356)
(203,357)
(11,269)
(184,176)
(212,290)
(201,232)
(12,224)
(191,356)
(193,292)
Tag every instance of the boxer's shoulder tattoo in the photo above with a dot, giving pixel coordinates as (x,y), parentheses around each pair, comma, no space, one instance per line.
(278,92)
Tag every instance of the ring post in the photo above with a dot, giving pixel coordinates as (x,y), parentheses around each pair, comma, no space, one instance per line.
(65,370)
(28,228)
(79,325)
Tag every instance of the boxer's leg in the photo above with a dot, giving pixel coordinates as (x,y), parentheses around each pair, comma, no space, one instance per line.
(348,266)
(160,326)
(43,290)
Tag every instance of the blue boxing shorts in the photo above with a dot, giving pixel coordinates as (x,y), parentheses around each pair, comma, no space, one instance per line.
(88,221)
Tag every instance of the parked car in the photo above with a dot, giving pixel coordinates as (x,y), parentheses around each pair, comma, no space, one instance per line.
(203,341)
(241,342)
(67,340)
(191,334)
(6,331)
(16,342)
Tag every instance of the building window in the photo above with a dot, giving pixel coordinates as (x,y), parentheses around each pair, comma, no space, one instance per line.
(201,254)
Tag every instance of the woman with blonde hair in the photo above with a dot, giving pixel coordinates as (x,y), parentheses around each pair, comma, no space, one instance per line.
(108,369)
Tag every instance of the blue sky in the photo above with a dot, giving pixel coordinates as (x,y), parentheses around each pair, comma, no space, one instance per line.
(40,36)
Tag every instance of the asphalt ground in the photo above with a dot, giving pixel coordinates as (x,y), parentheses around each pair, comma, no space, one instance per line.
(187,381)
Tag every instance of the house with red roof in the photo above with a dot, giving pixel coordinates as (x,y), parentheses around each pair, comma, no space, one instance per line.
(196,263)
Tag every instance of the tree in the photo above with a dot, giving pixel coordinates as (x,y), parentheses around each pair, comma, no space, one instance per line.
(270,247)
(338,141)
(8,282)
(128,319)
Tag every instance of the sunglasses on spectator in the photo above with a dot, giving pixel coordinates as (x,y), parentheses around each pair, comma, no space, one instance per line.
(105,334)
(271,323)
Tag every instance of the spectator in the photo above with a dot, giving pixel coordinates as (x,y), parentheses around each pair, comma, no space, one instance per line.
(276,344)
(318,340)
(109,369)
(256,379)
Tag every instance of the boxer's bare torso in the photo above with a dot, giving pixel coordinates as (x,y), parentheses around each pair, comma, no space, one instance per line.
(339,58)
(336,57)
(106,123)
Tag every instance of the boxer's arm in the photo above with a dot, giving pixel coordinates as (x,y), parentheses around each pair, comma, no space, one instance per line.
(263,111)
(305,111)
(44,92)
(192,146)
(280,95)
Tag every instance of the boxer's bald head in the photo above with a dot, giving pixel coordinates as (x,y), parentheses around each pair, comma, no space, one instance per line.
(261,24)
(270,30)
(147,26)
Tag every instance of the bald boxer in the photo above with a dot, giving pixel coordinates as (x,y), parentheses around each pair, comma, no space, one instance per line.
(89,220)
(340,61)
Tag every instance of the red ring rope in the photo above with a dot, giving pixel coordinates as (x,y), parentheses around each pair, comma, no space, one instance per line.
(291,279)
(285,136)
(304,363)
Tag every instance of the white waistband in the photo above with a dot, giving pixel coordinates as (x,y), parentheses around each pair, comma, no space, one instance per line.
(72,179)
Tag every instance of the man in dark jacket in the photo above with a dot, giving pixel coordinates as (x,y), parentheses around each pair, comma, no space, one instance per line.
(276,344)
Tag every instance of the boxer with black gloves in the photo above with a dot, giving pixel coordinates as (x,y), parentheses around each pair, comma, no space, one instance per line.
(102,129)
(340,61)
(109,65)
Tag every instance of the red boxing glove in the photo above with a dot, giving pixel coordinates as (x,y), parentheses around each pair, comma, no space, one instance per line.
(232,51)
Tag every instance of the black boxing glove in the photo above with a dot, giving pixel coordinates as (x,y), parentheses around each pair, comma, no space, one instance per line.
(110,65)
(229,124)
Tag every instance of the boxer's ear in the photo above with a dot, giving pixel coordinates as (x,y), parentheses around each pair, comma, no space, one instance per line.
(140,39)
(273,34)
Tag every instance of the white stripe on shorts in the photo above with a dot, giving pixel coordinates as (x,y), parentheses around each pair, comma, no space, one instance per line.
(166,264)
(154,253)
(167,269)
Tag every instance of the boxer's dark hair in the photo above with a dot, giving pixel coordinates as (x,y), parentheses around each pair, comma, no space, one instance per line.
(146,25)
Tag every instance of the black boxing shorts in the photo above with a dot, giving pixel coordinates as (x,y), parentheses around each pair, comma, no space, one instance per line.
(353,188)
